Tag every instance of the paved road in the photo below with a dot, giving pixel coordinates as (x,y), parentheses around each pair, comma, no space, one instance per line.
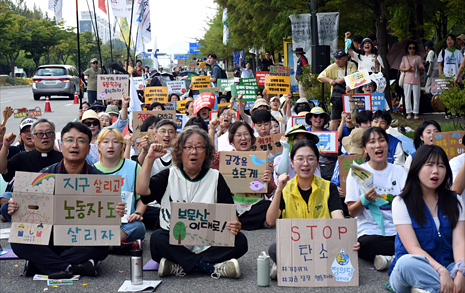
(63,108)
(115,269)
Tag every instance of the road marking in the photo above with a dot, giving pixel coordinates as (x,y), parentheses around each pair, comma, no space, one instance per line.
(68,105)
(5,101)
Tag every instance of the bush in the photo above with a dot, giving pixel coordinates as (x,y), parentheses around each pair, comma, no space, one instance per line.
(16,81)
(312,86)
(454,100)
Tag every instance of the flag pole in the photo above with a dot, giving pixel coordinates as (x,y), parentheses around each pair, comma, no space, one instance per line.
(79,56)
(109,30)
(98,38)
(130,31)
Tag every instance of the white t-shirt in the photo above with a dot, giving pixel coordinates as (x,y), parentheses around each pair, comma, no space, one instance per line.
(401,216)
(451,63)
(455,164)
(367,62)
(432,59)
(390,182)
(246,73)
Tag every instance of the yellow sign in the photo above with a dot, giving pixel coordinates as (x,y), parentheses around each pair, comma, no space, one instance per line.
(156,94)
(200,82)
(357,79)
(202,64)
(181,105)
(277,85)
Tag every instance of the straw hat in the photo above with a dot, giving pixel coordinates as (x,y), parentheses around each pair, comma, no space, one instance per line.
(90,114)
(318,111)
(353,143)
(301,129)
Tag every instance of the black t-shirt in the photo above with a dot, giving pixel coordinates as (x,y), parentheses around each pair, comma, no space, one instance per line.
(159,182)
(266,64)
(334,201)
(32,161)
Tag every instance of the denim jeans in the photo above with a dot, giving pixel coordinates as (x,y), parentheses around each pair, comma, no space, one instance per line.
(135,230)
(415,271)
(91,96)
(4,212)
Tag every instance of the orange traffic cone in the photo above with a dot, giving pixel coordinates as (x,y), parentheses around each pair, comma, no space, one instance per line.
(76,99)
(47,105)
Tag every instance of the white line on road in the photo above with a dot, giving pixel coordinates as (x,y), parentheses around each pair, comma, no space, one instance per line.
(6,101)
(68,105)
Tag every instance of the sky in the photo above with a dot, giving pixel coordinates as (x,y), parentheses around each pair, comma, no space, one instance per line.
(174,23)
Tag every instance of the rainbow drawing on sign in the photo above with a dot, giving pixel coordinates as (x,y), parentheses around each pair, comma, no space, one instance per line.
(42,177)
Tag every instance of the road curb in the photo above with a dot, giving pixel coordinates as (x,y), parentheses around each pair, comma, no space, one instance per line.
(17,86)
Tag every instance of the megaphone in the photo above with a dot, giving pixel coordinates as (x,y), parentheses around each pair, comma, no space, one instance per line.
(204,59)
(195,58)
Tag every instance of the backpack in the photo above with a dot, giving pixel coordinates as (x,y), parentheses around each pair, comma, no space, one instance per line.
(223,73)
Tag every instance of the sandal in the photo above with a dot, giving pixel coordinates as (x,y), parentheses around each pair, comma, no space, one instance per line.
(416,117)
(409,116)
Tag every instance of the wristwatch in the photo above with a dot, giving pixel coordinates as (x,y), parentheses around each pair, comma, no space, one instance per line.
(137,213)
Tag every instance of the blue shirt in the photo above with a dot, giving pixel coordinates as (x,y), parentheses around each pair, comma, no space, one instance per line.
(216,72)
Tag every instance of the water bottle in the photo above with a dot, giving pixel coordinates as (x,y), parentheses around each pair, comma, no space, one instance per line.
(136,267)
(263,270)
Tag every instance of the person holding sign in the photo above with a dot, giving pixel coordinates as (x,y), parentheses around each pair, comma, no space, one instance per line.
(190,180)
(110,144)
(430,222)
(61,262)
(372,207)
(423,136)
(250,207)
(305,196)
(91,74)
(412,65)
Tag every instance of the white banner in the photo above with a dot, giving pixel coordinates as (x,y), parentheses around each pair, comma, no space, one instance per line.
(328,28)
(122,8)
(144,20)
(56,6)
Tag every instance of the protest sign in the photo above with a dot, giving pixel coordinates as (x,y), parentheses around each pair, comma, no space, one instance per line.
(317,252)
(200,82)
(363,102)
(230,75)
(271,144)
(156,94)
(112,86)
(151,136)
(181,105)
(181,62)
(280,71)
(204,100)
(243,171)
(225,84)
(357,79)
(170,106)
(328,141)
(315,102)
(201,224)
(213,90)
(298,120)
(451,142)
(81,209)
(139,83)
(202,64)
(261,76)
(438,85)
(24,112)
(214,115)
(192,64)
(138,118)
(177,87)
(277,85)
(248,87)
(378,102)
(181,120)
(344,166)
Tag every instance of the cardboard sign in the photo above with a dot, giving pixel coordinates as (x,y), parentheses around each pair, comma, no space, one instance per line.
(177,87)
(271,144)
(23,112)
(152,139)
(451,142)
(181,62)
(201,224)
(80,208)
(357,79)
(280,71)
(112,86)
(225,84)
(438,85)
(344,166)
(328,141)
(156,94)
(170,106)
(202,64)
(139,83)
(204,100)
(277,85)
(363,102)
(317,252)
(138,118)
(261,76)
(181,105)
(200,82)
(378,102)
(192,64)
(243,171)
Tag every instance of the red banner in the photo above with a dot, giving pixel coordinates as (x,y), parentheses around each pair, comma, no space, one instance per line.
(261,76)
(204,100)
(101,5)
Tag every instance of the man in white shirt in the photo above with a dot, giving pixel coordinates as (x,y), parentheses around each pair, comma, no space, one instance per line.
(449,60)
(432,60)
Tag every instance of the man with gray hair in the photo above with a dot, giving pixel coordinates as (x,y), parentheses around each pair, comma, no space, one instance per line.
(43,156)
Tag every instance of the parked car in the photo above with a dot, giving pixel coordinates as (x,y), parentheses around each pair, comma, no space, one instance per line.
(55,80)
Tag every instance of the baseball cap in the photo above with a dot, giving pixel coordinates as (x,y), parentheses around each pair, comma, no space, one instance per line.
(339,53)
(93,60)
(27,121)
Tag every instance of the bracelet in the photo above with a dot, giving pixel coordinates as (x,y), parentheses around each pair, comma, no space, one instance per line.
(137,213)
(125,106)
(439,268)
(351,101)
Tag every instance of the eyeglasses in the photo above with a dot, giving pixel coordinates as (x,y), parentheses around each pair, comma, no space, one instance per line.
(242,135)
(411,48)
(92,123)
(95,62)
(318,115)
(79,141)
(42,134)
(309,160)
(163,131)
(199,149)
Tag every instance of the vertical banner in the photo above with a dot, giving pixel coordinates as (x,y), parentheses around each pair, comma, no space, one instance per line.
(328,28)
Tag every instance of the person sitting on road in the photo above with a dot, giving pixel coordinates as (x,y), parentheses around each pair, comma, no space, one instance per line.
(190,180)
(61,262)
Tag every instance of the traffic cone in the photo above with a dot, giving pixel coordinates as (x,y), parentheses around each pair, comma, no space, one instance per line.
(47,105)
(76,99)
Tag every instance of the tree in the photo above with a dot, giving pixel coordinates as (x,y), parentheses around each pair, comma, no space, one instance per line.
(179,231)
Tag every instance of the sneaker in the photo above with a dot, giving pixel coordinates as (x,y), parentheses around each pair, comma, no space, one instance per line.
(124,248)
(30,269)
(418,290)
(228,269)
(382,262)
(449,116)
(60,275)
(168,268)
(274,272)
(85,269)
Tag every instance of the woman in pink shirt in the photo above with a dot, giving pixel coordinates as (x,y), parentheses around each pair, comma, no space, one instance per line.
(412,65)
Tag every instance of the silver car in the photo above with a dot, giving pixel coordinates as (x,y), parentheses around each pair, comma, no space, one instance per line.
(56,80)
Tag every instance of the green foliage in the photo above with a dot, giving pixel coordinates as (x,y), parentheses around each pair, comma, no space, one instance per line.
(15,81)
(312,86)
(454,99)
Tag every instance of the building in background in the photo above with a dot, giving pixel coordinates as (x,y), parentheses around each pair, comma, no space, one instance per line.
(85,25)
